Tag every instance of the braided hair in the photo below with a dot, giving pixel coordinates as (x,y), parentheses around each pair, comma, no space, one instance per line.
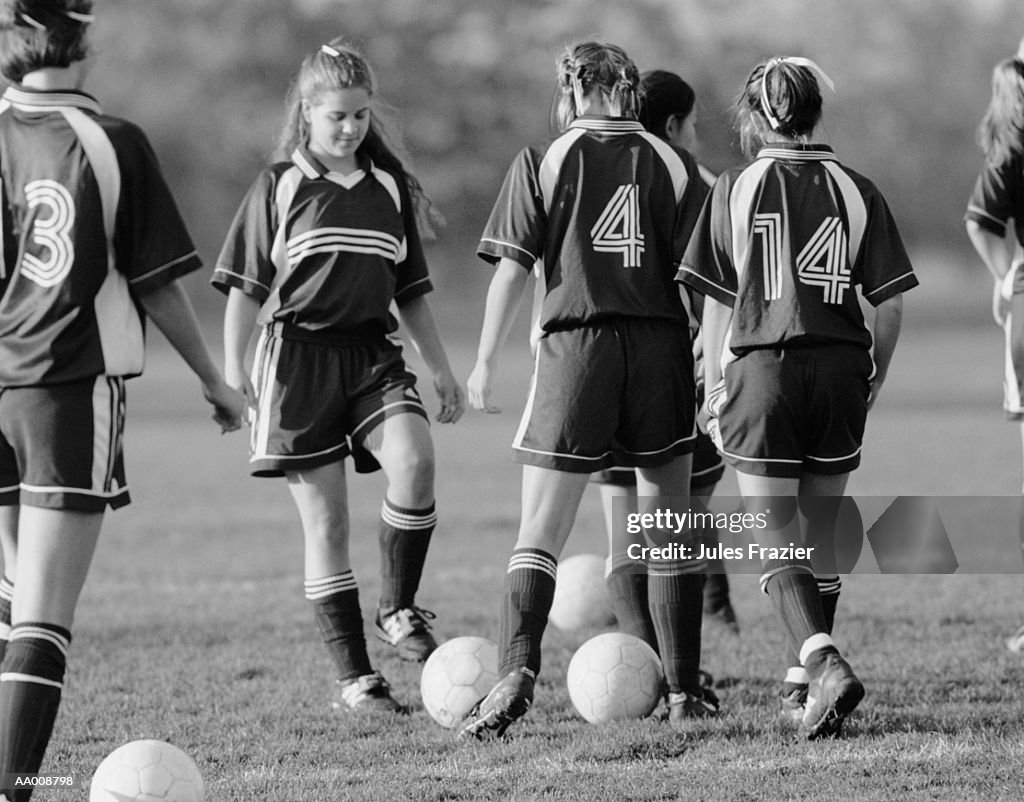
(592,65)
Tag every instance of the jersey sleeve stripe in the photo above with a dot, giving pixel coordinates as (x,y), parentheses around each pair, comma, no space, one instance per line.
(414,286)
(510,245)
(705,286)
(164,267)
(226,276)
(906,277)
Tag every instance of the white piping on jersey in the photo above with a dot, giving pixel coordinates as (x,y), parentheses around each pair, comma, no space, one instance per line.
(336,238)
(971,208)
(163,267)
(510,245)
(787,154)
(408,287)
(893,281)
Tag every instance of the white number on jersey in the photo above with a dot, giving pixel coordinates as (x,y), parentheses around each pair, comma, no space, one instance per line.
(51,233)
(769,228)
(822,262)
(617,230)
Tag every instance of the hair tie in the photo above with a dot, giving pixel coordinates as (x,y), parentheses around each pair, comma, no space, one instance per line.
(78,16)
(34,23)
(330,51)
(797,61)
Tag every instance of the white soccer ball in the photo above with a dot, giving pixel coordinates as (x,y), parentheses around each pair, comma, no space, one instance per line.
(615,676)
(581,596)
(457,674)
(147,771)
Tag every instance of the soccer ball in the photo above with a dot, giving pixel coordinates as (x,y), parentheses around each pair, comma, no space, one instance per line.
(456,675)
(581,596)
(147,771)
(614,676)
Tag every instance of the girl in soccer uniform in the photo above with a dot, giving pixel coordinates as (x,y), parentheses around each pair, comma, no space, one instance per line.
(607,208)
(779,251)
(668,110)
(997,198)
(91,238)
(323,243)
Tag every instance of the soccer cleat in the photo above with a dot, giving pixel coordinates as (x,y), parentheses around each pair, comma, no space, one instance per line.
(706,680)
(684,706)
(408,631)
(831,697)
(792,705)
(1015,643)
(369,693)
(508,701)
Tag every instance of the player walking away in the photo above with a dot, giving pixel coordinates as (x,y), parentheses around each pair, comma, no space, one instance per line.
(608,209)
(997,198)
(668,110)
(778,250)
(324,241)
(90,233)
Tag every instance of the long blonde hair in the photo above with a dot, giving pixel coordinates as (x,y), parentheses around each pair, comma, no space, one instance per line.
(1001,132)
(589,65)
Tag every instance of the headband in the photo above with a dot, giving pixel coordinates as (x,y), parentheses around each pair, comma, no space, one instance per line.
(330,51)
(85,19)
(797,61)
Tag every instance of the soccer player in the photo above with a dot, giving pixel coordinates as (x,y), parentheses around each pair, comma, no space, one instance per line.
(91,240)
(779,250)
(324,241)
(997,198)
(607,208)
(668,110)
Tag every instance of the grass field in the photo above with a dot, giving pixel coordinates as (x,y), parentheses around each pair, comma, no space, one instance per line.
(193,627)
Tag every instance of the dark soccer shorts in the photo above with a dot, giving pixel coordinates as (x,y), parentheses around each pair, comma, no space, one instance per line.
(613,393)
(317,402)
(61,445)
(793,410)
(708,468)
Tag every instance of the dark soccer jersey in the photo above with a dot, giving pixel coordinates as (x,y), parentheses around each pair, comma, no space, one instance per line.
(607,208)
(998,197)
(88,223)
(323,252)
(785,240)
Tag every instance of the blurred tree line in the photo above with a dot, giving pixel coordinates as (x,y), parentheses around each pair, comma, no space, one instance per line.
(473,82)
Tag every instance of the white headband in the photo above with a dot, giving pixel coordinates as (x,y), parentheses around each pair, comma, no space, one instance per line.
(85,19)
(330,51)
(798,61)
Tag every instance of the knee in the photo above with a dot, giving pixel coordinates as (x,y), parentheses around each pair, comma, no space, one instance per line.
(412,467)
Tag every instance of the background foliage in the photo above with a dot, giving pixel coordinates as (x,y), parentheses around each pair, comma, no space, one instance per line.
(473,81)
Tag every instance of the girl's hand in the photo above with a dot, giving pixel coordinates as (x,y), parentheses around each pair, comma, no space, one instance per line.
(450,395)
(479,387)
(229,405)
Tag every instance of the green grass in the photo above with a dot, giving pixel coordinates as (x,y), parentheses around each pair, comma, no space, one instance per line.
(193,627)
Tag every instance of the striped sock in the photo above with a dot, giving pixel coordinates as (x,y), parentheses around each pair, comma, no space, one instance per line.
(529,590)
(6,597)
(404,540)
(794,594)
(676,600)
(627,588)
(336,606)
(828,589)
(31,681)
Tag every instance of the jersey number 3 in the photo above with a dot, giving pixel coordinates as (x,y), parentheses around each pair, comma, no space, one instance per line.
(617,230)
(822,262)
(50,232)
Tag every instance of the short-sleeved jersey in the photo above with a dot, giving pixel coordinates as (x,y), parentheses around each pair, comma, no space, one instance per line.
(785,240)
(998,197)
(607,208)
(88,225)
(325,254)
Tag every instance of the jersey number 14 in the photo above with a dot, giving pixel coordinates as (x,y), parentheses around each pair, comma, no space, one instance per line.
(822,262)
(617,230)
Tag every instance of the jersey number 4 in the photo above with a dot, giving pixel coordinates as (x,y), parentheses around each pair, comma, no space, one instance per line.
(50,231)
(617,230)
(822,262)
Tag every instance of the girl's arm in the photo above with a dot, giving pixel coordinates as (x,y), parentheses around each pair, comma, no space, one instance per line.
(171,311)
(888,321)
(714,327)
(419,320)
(996,253)
(503,299)
(239,321)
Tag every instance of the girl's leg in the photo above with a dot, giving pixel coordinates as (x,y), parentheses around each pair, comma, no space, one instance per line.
(1015,643)
(626,579)
(321,497)
(55,549)
(550,501)
(402,445)
(9,548)
(676,596)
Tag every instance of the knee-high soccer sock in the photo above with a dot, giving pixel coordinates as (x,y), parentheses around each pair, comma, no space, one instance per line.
(6,597)
(676,604)
(336,606)
(828,590)
(31,680)
(627,588)
(404,540)
(794,594)
(529,590)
